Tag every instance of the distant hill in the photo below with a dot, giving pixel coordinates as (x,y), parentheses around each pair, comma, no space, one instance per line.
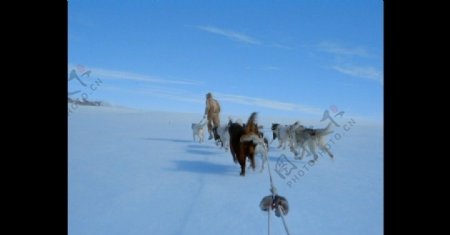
(86,102)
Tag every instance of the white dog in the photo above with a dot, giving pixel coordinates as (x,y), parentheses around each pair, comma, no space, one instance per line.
(262,149)
(198,129)
(311,138)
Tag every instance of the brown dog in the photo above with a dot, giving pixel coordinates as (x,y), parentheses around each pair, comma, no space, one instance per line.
(240,149)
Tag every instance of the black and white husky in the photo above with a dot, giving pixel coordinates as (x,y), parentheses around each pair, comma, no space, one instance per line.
(283,133)
(222,136)
(311,139)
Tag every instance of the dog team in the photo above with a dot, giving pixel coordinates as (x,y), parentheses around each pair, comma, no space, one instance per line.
(246,140)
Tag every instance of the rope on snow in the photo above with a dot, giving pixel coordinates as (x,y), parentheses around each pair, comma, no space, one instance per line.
(274,201)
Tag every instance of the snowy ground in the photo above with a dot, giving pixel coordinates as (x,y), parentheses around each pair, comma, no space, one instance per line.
(134,172)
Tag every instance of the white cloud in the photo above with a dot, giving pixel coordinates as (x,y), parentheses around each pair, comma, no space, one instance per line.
(362,72)
(344,57)
(190,97)
(271,104)
(173,94)
(240,37)
(337,49)
(281,46)
(115,74)
(159,88)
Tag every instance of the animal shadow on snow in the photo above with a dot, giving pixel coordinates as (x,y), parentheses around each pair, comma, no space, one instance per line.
(168,140)
(202,149)
(271,158)
(203,167)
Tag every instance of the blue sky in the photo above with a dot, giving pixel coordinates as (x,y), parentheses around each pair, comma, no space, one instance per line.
(289,58)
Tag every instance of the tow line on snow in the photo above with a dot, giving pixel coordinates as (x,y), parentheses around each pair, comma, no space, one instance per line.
(274,201)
